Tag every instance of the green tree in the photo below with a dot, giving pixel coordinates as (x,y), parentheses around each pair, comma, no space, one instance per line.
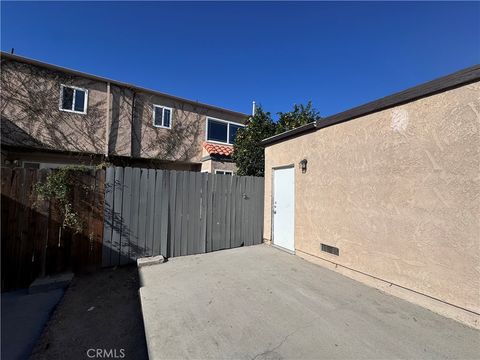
(301,115)
(248,152)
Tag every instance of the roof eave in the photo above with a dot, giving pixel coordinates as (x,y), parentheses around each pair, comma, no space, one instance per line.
(34,62)
(442,84)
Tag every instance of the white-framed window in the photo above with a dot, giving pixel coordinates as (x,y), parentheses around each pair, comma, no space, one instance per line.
(224,172)
(221,131)
(162,116)
(73,99)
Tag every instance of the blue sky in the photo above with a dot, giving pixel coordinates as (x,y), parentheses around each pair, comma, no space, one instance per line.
(338,55)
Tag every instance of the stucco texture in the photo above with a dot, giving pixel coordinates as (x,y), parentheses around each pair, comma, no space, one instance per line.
(397,192)
(31,117)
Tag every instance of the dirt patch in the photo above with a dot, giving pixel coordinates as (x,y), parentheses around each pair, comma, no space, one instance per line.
(100,311)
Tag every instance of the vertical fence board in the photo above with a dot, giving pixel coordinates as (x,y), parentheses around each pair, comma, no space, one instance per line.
(197,226)
(164,213)
(108,223)
(209,212)
(215,210)
(260,197)
(172,212)
(233,199)
(223,214)
(182,194)
(249,212)
(254,210)
(203,214)
(134,214)
(117,217)
(89,208)
(189,212)
(157,217)
(150,212)
(142,212)
(228,218)
(125,216)
(6,200)
(98,217)
(76,237)
(20,221)
(29,245)
(220,210)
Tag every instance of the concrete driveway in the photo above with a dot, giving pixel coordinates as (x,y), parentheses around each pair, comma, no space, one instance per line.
(258,302)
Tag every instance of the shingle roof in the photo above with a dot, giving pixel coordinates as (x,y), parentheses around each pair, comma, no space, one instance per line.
(217,149)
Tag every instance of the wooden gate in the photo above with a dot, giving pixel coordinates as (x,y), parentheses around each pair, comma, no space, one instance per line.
(173,213)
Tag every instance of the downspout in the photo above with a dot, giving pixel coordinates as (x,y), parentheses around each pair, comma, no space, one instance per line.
(107,124)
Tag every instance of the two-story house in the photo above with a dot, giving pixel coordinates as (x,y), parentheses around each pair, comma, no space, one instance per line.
(52,116)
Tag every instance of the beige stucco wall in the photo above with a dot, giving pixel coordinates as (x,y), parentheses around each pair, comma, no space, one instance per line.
(30,108)
(397,192)
(30,98)
(184,141)
(224,165)
(211,165)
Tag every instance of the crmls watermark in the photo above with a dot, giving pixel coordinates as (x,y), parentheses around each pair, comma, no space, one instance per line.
(106,353)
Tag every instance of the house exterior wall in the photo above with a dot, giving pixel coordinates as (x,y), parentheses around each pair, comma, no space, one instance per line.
(30,112)
(398,192)
(31,117)
(211,165)
(223,165)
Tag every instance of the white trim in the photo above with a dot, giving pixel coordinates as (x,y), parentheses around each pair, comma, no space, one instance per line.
(272,206)
(163,116)
(228,129)
(272,200)
(75,88)
(225,172)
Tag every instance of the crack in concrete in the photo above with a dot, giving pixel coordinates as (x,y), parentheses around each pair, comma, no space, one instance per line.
(281,342)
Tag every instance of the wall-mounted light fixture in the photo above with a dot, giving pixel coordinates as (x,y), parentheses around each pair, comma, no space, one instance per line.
(303,165)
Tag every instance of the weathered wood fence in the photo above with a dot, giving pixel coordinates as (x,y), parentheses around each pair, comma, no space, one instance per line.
(125,213)
(151,212)
(33,238)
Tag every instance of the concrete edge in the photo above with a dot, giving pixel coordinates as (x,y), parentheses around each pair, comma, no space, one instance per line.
(145,329)
(151,260)
(462,316)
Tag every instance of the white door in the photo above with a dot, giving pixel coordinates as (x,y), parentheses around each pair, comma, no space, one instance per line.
(284,208)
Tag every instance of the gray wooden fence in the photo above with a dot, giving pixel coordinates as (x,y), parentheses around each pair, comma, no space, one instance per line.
(173,213)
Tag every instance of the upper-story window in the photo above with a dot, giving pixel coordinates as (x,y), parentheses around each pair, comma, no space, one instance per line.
(222,131)
(162,116)
(73,99)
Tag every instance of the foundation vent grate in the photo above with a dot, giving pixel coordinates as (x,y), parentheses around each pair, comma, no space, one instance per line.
(330,249)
